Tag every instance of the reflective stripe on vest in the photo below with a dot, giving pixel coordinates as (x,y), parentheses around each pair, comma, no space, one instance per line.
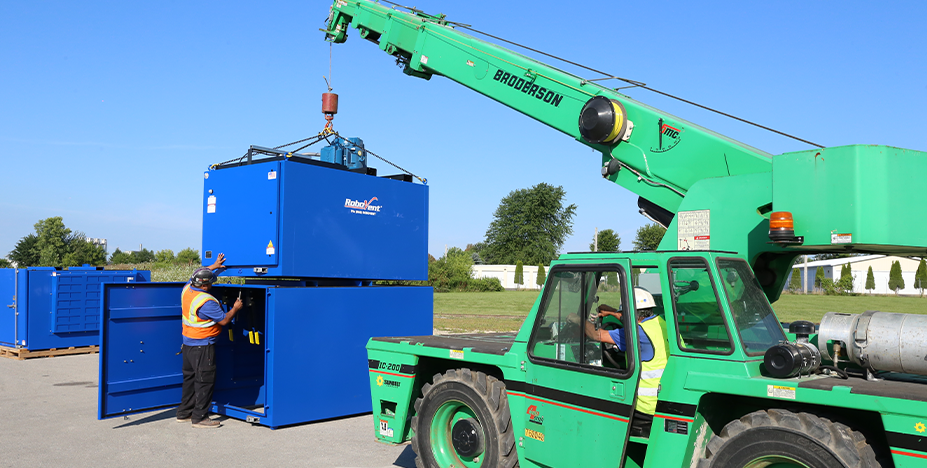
(193,326)
(652,370)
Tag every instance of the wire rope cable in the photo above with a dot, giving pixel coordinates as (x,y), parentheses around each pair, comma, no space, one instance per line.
(633,83)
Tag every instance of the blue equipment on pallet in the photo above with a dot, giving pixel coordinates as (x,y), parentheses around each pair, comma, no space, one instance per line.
(54,308)
(310,237)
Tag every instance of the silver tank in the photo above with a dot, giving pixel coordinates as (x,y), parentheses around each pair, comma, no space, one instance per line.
(880,341)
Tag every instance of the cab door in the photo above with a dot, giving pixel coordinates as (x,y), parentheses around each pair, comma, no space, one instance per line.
(140,361)
(580,394)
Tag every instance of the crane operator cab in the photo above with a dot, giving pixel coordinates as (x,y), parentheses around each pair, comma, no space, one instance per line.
(588,340)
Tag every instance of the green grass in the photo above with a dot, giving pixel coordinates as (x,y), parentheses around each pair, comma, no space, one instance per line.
(484,311)
(791,307)
(505,311)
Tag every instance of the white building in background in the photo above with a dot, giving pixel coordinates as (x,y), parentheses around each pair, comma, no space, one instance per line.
(506,275)
(881,266)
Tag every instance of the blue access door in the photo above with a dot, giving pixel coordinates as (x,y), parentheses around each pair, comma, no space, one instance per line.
(240,215)
(140,361)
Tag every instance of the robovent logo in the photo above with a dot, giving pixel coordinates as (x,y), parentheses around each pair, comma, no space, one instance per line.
(529,88)
(365,207)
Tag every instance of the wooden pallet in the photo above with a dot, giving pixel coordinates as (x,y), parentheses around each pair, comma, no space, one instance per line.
(21,354)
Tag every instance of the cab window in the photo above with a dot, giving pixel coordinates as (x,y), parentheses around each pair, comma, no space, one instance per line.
(700,321)
(756,323)
(571,297)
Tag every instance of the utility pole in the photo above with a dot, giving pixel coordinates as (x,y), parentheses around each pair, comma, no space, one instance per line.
(804,284)
(595,241)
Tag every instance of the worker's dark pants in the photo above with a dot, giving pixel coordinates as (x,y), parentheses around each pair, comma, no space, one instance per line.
(199,379)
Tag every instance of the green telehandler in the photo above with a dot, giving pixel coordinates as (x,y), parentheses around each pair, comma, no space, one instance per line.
(735,388)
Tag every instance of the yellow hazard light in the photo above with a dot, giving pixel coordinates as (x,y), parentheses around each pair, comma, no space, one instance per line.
(781,227)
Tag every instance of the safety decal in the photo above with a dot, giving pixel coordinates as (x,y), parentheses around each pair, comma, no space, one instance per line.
(385,430)
(920,427)
(841,238)
(776,391)
(423,60)
(271,175)
(211,204)
(693,230)
(270,247)
(457,354)
(536,435)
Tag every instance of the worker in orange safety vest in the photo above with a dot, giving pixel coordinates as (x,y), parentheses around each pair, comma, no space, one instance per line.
(203,319)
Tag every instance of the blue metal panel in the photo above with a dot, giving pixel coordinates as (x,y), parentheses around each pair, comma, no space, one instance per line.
(310,364)
(140,362)
(76,294)
(332,223)
(7,306)
(56,308)
(317,360)
(240,215)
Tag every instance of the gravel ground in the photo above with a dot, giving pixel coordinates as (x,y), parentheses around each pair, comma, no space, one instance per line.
(49,408)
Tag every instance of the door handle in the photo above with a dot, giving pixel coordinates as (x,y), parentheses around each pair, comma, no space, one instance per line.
(616,390)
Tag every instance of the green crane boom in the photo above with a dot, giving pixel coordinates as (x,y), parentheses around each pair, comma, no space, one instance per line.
(429,45)
(712,192)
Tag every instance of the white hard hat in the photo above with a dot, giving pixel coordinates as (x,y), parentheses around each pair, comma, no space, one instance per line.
(643,299)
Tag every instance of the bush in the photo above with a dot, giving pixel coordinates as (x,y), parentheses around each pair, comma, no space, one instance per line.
(841,287)
(454,272)
(485,285)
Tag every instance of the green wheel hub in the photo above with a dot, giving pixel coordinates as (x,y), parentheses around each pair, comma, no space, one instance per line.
(457,437)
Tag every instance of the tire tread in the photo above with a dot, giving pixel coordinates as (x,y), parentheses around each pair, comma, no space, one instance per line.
(492,392)
(849,446)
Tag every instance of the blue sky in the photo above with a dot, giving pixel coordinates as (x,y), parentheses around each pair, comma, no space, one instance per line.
(111,111)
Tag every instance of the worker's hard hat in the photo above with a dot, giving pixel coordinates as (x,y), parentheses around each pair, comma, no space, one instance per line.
(643,299)
(202,277)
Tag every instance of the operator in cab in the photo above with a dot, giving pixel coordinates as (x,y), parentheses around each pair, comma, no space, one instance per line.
(651,332)
(203,319)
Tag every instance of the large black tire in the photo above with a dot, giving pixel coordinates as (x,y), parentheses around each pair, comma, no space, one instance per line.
(472,400)
(782,438)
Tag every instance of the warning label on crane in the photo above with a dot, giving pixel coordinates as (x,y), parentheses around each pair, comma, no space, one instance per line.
(270,247)
(693,230)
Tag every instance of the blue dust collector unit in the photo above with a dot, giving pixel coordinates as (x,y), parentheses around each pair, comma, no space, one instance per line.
(311,235)
(300,218)
(51,308)
(293,354)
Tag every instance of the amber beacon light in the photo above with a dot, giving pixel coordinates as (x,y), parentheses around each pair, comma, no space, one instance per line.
(782,228)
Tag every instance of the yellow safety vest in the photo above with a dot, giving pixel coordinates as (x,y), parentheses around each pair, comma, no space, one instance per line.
(652,370)
(193,326)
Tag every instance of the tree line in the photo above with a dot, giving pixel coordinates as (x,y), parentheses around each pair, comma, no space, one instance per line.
(55,245)
(844,285)
(529,227)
